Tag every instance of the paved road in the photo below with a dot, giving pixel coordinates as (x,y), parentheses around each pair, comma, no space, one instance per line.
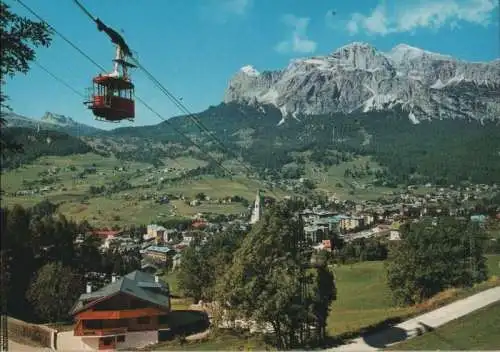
(422,323)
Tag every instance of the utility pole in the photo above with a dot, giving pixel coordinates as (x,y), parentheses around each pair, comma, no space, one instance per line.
(4,343)
(472,256)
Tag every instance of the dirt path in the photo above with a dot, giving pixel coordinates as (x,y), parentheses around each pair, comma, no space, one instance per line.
(422,323)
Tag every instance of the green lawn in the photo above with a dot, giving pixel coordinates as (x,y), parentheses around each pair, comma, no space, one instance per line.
(479,330)
(363,298)
(221,342)
(173,284)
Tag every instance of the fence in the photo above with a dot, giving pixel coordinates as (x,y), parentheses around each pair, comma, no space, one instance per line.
(39,334)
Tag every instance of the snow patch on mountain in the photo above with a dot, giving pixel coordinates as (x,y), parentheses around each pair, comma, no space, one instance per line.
(250,70)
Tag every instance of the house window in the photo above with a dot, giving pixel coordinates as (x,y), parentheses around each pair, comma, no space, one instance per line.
(92,324)
(143,320)
(163,319)
(120,338)
(107,341)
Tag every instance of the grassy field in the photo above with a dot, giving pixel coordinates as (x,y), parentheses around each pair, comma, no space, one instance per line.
(364,298)
(479,330)
(126,207)
(130,207)
(330,179)
(173,284)
(223,341)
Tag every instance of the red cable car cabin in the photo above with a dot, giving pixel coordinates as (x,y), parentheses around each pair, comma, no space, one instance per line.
(112,98)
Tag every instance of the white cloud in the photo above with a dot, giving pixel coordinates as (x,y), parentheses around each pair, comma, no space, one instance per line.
(426,14)
(298,41)
(238,7)
(221,11)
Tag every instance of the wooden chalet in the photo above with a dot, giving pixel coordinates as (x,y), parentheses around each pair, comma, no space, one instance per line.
(127,313)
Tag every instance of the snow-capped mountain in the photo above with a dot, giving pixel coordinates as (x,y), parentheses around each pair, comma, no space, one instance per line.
(359,77)
(50,121)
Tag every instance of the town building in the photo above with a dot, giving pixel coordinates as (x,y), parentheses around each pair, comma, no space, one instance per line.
(155,232)
(161,255)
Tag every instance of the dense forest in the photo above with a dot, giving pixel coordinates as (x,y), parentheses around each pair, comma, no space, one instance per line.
(438,151)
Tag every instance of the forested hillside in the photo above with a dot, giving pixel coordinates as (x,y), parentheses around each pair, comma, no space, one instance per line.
(441,151)
(38,143)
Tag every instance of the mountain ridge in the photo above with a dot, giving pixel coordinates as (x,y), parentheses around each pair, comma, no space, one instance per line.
(50,121)
(357,76)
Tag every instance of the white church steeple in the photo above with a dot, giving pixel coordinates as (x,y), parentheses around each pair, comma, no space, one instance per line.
(257,209)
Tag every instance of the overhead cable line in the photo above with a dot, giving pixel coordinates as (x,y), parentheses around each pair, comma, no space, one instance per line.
(138,98)
(67,85)
(59,79)
(193,118)
(61,35)
(178,103)
(173,99)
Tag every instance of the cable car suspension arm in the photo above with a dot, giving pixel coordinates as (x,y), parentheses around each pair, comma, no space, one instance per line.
(115,37)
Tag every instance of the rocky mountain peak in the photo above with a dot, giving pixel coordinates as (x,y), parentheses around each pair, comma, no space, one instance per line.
(357,76)
(50,117)
(51,121)
(250,71)
(361,56)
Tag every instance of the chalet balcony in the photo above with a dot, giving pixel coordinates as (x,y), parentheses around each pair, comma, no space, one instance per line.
(104,332)
(120,314)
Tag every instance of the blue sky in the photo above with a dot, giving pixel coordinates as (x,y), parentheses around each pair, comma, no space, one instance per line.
(194,46)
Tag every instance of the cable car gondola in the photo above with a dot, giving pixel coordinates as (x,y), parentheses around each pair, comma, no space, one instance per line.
(112,95)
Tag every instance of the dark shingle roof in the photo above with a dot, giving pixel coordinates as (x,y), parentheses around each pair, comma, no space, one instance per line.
(137,283)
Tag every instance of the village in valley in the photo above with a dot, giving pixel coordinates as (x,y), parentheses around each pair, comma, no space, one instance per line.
(327,226)
(161,247)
